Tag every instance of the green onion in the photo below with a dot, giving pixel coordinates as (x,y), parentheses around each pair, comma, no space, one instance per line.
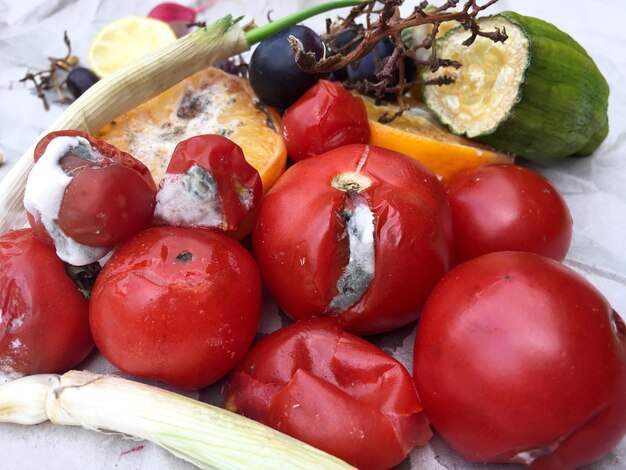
(258,34)
(205,435)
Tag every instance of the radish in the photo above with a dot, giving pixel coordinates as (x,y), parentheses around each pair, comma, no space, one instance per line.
(178,16)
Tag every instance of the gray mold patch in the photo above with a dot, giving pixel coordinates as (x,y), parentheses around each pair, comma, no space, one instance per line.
(359,271)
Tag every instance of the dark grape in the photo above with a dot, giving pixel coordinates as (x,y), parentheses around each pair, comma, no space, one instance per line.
(274,75)
(344,43)
(228,66)
(79,80)
(373,62)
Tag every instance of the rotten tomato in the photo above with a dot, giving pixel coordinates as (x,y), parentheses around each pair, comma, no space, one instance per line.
(333,390)
(84,196)
(208,184)
(44,321)
(360,233)
(327,116)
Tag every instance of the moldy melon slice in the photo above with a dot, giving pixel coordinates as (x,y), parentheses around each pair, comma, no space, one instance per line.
(209,102)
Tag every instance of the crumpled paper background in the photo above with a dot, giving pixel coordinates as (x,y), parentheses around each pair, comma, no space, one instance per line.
(595,189)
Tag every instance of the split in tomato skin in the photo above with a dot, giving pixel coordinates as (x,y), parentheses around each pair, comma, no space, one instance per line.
(507,208)
(109,198)
(44,321)
(333,390)
(301,245)
(208,183)
(519,359)
(327,116)
(177,304)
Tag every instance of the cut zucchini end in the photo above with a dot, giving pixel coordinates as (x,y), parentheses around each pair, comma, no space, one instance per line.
(539,95)
(487,85)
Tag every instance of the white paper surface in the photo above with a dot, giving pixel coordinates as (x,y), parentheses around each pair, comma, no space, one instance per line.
(595,189)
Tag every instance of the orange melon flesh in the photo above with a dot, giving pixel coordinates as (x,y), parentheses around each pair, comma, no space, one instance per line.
(209,102)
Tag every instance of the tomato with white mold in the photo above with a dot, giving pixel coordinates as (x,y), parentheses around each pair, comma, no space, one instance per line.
(208,184)
(360,233)
(83,196)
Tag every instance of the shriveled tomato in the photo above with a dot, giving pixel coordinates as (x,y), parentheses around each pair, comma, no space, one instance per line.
(176,304)
(507,208)
(208,183)
(332,390)
(44,322)
(360,233)
(327,116)
(84,191)
(519,359)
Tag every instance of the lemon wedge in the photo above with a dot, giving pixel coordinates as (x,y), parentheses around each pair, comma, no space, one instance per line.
(126,39)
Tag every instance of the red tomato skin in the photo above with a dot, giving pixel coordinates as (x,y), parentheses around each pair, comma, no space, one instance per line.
(508,208)
(105,206)
(514,353)
(44,326)
(177,304)
(298,241)
(327,116)
(107,201)
(224,160)
(333,390)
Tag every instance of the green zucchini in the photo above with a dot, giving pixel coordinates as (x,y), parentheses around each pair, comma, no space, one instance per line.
(538,95)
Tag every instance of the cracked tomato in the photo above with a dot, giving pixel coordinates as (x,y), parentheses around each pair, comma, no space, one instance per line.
(333,390)
(519,359)
(177,304)
(360,233)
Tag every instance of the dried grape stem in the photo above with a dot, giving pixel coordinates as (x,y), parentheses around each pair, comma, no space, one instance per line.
(379,32)
(47,79)
(389,24)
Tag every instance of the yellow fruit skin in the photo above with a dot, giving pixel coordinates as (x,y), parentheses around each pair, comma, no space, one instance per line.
(124,40)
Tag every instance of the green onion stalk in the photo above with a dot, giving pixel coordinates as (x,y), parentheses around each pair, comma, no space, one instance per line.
(205,435)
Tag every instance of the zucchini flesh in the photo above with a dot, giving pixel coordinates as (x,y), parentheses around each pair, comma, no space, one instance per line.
(552,104)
